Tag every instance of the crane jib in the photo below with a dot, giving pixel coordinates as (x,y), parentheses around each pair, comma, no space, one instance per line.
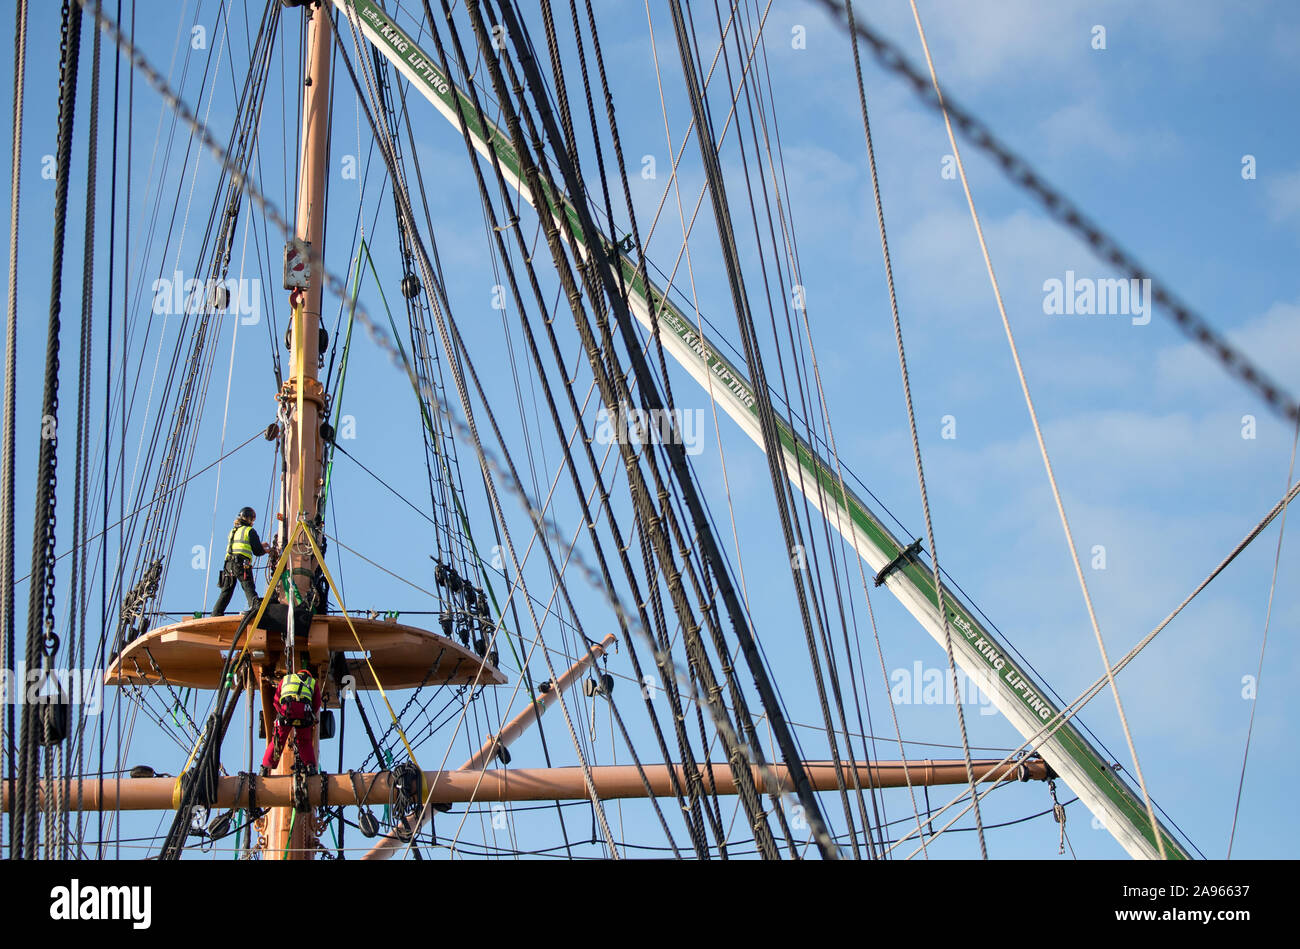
(975,650)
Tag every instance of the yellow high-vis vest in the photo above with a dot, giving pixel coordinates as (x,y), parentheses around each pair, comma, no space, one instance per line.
(298,687)
(238,545)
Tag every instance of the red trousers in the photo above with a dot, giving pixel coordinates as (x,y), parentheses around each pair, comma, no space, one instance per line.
(303,735)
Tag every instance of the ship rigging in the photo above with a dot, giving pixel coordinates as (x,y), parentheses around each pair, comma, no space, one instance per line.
(637,626)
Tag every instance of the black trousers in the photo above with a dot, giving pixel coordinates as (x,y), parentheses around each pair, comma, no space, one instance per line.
(237,570)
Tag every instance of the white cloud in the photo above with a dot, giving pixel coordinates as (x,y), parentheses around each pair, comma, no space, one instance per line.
(1284,195)
(1026,249)
(974,43)
(979,44)
(1087,127)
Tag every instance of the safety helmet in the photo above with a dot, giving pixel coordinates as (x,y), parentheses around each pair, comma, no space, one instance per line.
(247,514)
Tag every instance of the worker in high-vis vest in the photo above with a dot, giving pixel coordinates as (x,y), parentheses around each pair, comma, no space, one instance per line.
(297,701)
(242,546)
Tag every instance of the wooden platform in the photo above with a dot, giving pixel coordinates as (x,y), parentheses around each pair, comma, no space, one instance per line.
(192,653)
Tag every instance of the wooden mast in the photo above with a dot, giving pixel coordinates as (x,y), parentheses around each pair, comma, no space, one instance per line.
(290,836)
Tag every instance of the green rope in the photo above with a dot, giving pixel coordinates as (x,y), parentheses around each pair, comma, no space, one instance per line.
(291,589)
(292,820)
(343,367)
(234,837)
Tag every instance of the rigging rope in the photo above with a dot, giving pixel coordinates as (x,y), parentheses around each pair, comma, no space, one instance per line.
(725,30)
(602,373)
(771,444)
(187,385)
(597,471)
(1071,709)
(671,449)
(568,462)
(455,350)
(180,484)
(624,285)
(81,468)
(674,185)
(553,568)
(108,361)
(691,810)
(802,527)
(637,680)
(916,444)
(786,219)
(1042,446)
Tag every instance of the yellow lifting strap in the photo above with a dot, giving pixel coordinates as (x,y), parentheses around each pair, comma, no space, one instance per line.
(176,788)
(320,560)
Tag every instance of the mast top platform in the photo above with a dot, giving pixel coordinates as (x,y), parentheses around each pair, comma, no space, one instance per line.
(192,653)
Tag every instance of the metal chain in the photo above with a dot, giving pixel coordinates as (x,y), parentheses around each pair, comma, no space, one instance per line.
(1058,812)
(405,708)
(51,642)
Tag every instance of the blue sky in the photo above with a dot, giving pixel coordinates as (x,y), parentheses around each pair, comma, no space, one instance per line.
(1145,432)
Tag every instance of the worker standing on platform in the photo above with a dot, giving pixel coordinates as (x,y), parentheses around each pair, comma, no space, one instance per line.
(241,547)
(297,701)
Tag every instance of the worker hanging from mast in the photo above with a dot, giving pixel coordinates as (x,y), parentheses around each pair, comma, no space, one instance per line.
(242,546)
(297,702)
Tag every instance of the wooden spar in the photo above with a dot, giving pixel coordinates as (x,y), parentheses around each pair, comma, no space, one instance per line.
(514,728)
(519,724)
(303,397)
(527,784)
